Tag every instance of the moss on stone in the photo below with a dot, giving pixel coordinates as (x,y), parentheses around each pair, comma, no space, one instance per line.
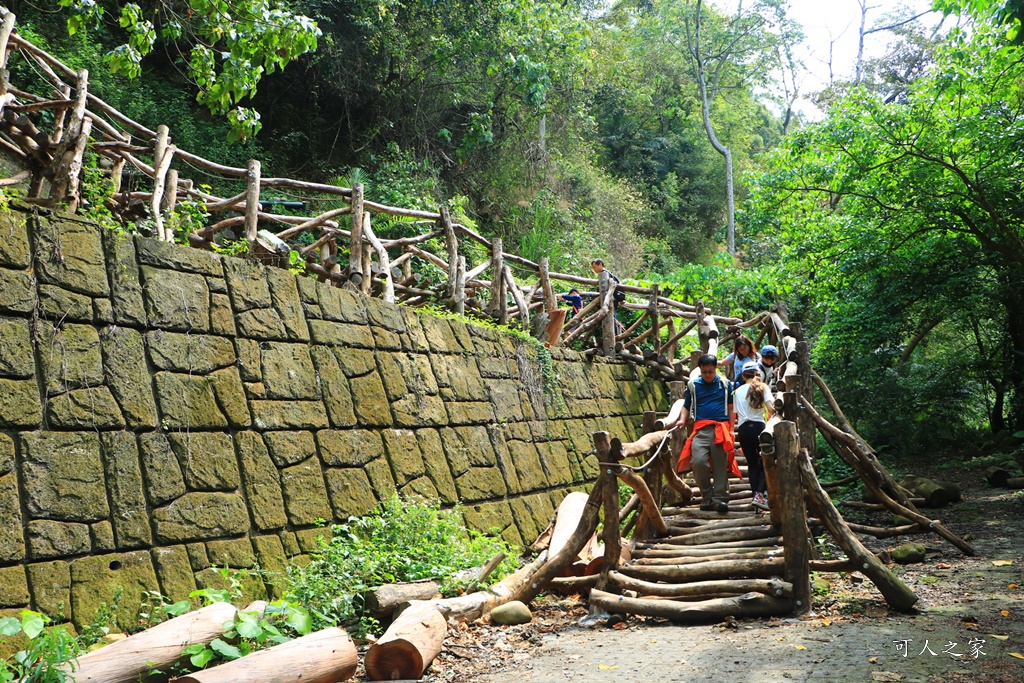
(176,301)
(288,371)
(154,252)
(272,415)
(197,354)
(63,476)
(341,334)
(333,383)
(162,472)
(126,373)
(261,483)
(70,255)
(236,553)
(69,357)
(369,401)
(350,492)
(349,447)
(207,460)
(14,249)
(290,447)
(488,518)
(13,587)
(57,303)
(90,408)
(102,578)
(125,488)
(201,516)
(16,355)
(174,572)
(305,498)
(123,271)
(404,454)
(436,464)
(17,291)
(50,584)
(187,402)
(12,540)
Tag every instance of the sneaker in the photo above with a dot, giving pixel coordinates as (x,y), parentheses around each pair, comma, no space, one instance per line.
(723,508)
(760,501)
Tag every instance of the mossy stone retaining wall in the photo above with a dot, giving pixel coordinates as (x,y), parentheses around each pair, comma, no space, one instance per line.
(165,411)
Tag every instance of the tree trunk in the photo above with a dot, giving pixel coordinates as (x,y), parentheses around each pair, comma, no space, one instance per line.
(326,656)
(127,660)
(705,110)
(381,601)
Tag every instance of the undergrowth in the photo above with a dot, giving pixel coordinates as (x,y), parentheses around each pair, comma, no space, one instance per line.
(402,540)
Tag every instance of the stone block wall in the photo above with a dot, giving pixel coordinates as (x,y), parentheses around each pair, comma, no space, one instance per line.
(165,411)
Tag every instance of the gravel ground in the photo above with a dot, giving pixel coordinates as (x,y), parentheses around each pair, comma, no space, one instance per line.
(971,616)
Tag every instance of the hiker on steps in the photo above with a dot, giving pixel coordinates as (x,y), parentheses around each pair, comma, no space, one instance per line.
(752,399)
(710,450)
(742,351)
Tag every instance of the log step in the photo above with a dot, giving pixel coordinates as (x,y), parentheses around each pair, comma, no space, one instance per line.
(703,612)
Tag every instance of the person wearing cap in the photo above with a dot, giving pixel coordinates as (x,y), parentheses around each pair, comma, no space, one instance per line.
(575,300)
(710,450)
(751,402)
(766,364)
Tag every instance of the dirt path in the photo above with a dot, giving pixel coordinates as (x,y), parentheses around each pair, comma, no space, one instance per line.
(966,602)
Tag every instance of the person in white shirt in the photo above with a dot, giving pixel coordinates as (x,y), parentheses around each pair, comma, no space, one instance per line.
(753,400)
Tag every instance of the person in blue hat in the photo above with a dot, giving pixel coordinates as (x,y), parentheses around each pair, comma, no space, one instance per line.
(766,363)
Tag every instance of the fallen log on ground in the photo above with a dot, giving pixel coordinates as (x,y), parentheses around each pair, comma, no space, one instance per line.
(936,493)
(475,605)
(749,605)
(408,646)
(567,518)
(128,660)
(326,656)
(381,601)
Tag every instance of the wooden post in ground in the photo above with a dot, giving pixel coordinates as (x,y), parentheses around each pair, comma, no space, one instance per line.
(498,305)
(452,243)
(67,159)
(550,302)
(460,286)
(517,295)
(669,349)
(805,423)
(795,534)
(612,524)
(771,475)
(355,253)
(652,310)
(170,198)
(252,201)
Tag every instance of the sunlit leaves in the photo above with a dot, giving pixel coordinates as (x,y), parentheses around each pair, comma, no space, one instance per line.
(229,45)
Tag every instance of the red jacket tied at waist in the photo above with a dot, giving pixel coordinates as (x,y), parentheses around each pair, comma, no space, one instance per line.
(723,436)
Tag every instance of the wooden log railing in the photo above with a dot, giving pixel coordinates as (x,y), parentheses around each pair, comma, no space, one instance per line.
(343,256)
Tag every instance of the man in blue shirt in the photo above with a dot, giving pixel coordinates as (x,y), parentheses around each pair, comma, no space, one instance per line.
(710,450)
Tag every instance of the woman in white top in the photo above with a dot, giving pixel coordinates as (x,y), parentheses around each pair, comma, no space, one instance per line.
(752,401)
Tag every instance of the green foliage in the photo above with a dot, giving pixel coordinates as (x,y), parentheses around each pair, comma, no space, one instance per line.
(900,222)
(48,650)
(228,46)
(248,632)
(402,540)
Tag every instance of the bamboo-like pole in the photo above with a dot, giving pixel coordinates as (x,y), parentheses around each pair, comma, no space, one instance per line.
(382,258)
(355,254)
(252,201)
(498,305)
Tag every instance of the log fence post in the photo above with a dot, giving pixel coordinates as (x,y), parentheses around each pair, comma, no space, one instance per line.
(460,286)
(365,253)
(355,253)
(67,159)
(550,302)
(609,484)
(252,202)
(652,308)
(452,243)
(521,304)
(498,305)
(170,199)
(795,535)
